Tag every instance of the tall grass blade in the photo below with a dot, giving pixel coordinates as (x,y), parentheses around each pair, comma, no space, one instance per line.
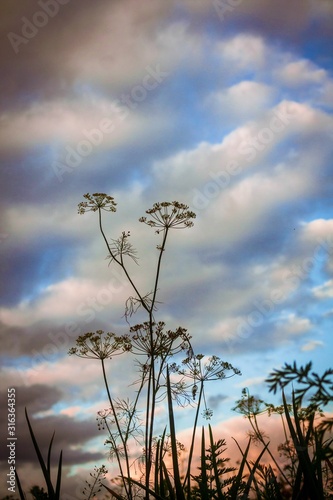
(41,460)
(317,463)
(168,482)
(252,474)
(301,450)
(203,485)
(114,493)
(49,455)
(329,463)
(158,472)
(310,478)
(220,495)
(277,492)
(238,482)
(18,482)
(187,479)
(134,481)
(58,484)
(176,475)
(157,475)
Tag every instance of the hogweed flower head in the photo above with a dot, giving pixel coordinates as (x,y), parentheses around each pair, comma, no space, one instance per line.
(213,368)
(164,343)
(97,201)
(198,369)
(96,345)
(168,214)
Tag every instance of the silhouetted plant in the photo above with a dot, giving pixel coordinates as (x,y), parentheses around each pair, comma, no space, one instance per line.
(307,451)
(170,371)
(38,493)
(153,347)
(95,486)
(53,492)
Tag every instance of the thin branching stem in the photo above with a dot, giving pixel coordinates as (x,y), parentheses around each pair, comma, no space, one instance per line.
(158,270)
(188,473)
(259,435)
(151,399)
(128,487)
(120,262)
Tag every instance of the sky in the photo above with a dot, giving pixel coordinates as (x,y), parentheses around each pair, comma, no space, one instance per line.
(225,106)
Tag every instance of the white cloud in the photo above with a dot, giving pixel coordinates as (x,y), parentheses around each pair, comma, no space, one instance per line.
(291,325)
(31,221)
(102,123)
(250,202)
(317,230)
(245,100)
(73,297)
(216,167)
(243,52)
(312,345)
(83,374)
(301,72)
(250,382)
(324,291)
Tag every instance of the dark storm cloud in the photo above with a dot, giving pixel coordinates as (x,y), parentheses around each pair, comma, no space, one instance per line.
(41,67)
(27,66)
(25,341)
(69,432)
(43,341)
(70,436)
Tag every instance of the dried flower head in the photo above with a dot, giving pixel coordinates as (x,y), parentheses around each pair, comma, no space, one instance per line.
(164,343)
(199,370)
(97,201)
(169,214)
(213,368)
(96,345)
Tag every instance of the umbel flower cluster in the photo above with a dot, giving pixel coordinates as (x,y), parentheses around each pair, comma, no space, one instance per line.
(167,214)
(96,345)
(97,201)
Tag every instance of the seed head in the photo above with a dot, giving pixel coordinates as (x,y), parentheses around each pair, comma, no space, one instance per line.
(169,214)
(97,201)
